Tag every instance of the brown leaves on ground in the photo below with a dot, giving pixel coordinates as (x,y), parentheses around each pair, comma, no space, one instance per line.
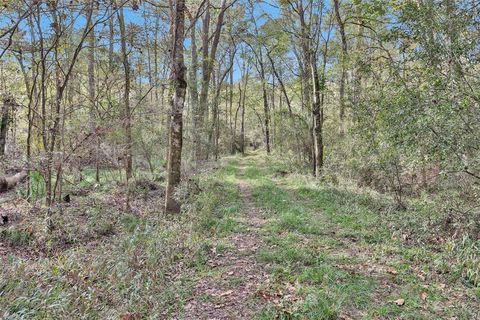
(423,295)
(237,263)
(399,302)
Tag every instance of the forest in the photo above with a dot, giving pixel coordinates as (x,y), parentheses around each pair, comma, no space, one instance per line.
(239,159)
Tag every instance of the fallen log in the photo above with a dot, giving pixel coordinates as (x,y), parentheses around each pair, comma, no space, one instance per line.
(7,183)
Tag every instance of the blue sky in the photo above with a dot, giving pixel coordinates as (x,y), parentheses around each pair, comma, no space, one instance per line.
(262,9)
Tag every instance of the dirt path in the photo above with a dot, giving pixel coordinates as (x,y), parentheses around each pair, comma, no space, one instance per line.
(232,292)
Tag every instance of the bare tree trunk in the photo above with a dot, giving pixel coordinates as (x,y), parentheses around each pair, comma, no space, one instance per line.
(318,121)
(30,87)
(4,121)
(213,133)
(280,81)
(193,89)
(266,110)
(242,128)
(91,94)
(341,27)
(230,112)
(199,114)
(57,109)
(155,56)
(62,78)
(111,32)
(127,121)
(234,131)
(177,103)
(214,106)
(357,75)
(208,58)
(7,183)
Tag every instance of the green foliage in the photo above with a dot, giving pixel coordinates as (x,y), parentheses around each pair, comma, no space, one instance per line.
(37,185)
(467,256)
(218,205)
(329,270)
(16,237)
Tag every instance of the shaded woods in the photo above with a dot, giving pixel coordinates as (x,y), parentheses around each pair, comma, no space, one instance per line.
(122,115)
(381,94)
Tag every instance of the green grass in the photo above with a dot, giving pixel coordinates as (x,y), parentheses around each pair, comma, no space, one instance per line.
(330,252)
(16,237)
(337,244)
(105,263)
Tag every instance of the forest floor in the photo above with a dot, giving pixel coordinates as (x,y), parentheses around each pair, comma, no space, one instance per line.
(304,250)
(257,242)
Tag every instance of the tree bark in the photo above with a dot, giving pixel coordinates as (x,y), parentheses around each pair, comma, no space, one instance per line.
(91,94)
(242,127)
(4,121)
(266,113)
(7,183)
(280,81)
(260,66)
(177,102)
(208,58)
(341,28)
(193,89)
(127,116)
(318,121)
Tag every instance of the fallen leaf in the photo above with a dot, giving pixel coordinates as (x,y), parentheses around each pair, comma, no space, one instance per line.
(226,293)
(399,302)
(392,271)
(423,295)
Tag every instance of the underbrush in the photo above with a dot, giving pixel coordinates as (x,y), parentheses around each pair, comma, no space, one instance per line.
(219,201)
(96,260)
(351,240)
(331,250)
(446,222)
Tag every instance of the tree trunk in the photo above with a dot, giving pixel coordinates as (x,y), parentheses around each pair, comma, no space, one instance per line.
(91,94)
(7,183)
(341,27)
(177,103)
(280,81)
(318,122)
(230,113)
(193,89)
(4,121)
(266,111)
(242,128)
(127,121)
(208,58)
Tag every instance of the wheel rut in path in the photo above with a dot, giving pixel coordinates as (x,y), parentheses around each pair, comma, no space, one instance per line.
(231,293)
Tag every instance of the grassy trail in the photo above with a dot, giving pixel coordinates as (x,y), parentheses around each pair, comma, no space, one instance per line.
(230,291)
(300,250)
(254,242)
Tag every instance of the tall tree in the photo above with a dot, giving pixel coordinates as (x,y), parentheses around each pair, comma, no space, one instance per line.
(343,64)
(92,98)
(7,105)
(209,54)
(177,101)
(127,113)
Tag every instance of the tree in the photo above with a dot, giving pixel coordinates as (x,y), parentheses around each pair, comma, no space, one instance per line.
(127,113)
(7,106)
(208,59)
(177,101)
(343,62)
